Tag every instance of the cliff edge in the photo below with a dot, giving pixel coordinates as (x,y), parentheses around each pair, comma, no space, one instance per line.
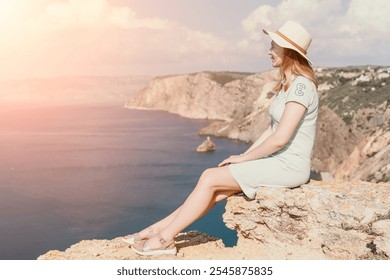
(319,220)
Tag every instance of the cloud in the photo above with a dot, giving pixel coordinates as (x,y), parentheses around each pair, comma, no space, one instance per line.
(303,11)
(96,36)
(82,37)
(124,17)
(362,31)
(94,14)
(194,41)
(89,11)
(344,29)
(364,17)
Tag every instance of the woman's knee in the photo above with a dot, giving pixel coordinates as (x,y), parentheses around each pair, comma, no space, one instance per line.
(218,179)
(209,177)
(215,180)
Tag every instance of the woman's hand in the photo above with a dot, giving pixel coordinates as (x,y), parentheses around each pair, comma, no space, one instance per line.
(231,160)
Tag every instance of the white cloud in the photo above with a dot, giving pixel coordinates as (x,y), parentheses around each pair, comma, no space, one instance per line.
(57,37)
(124,17)
(340,28)
(94,14)
(366,17)
(303,11)
(96,36)
(258,18)
(362,31)
(89,11)
(99,14)
(193,41)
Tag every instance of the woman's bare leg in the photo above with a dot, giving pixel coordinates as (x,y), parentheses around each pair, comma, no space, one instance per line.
(213,181)
(163,223)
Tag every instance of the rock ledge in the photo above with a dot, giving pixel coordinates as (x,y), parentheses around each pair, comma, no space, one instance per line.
(319,220)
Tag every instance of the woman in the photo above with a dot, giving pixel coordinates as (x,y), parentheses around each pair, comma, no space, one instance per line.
(279,158)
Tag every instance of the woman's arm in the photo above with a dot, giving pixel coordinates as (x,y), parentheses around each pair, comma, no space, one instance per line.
(261,139)
(292,115)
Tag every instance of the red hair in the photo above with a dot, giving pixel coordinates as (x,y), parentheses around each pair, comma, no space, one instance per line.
(294,64)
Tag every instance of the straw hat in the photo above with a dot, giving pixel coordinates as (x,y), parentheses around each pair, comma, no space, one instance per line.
(292,35)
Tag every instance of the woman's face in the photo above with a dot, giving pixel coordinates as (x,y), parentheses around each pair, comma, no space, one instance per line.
(276,53)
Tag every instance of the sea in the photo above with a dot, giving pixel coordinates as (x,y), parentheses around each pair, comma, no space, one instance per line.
(79,172)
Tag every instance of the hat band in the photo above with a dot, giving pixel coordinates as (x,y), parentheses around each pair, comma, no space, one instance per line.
(291,42)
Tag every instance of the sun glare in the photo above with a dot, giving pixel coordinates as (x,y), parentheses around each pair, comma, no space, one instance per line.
(9,10)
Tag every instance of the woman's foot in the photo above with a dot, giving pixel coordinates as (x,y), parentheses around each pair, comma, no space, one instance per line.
(155,245)
(139,236)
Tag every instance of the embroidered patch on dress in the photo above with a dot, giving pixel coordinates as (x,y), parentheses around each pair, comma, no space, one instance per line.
(299,88)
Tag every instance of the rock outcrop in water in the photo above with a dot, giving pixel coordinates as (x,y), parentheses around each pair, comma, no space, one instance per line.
(353,131)
(319,220)
(206,146)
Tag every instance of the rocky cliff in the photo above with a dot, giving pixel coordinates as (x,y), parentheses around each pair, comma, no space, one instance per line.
(353,136)
(319,220)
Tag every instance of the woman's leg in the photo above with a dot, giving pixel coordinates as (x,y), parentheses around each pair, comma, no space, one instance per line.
(215,183)
(163,223)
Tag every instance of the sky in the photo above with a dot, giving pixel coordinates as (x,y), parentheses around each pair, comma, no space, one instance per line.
(46,38)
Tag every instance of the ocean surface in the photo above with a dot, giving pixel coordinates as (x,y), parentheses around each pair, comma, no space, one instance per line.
(69,173)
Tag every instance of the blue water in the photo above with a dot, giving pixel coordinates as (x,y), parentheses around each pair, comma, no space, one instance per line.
(96,172)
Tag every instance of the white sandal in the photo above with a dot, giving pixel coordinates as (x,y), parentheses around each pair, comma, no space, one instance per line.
(166,248)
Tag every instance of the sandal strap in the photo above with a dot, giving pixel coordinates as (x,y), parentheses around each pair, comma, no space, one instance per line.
(166,248)
(162,241)
(164,244)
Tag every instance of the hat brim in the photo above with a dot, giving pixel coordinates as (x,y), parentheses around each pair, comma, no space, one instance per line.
(284,44)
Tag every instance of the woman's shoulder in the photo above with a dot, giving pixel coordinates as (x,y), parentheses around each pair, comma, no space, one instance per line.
(300,79)
(303,91)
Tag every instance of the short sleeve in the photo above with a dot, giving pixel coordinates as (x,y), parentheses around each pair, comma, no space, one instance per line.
(301,91)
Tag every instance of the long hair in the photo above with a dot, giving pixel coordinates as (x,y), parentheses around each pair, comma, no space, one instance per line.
(294,64)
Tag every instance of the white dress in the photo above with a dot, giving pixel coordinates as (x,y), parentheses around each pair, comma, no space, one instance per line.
(290,166)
